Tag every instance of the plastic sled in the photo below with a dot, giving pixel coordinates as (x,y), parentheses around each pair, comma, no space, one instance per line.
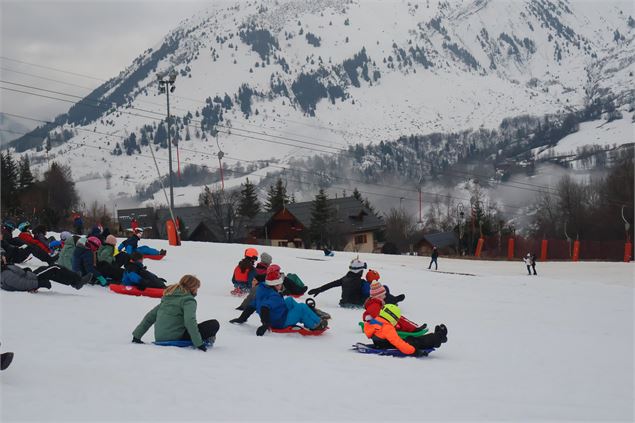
(132,290)
(154,257)
(181,343)
(393,352)
(403,334)
(300,330)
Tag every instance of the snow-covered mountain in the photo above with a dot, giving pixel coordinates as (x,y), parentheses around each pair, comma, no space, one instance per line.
(280,80)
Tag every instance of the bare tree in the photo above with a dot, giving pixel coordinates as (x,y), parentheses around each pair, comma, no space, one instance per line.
(223,205)
(400,227)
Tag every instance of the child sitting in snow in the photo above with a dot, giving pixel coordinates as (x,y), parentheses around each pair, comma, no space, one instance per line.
(175,317)
(136,274)
(352,285)
(245,273)
(278,312)
(376,302)
(131,245)
(384,335)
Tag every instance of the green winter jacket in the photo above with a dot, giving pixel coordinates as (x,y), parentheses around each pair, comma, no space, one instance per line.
(66,255)
(106,253)
(171,318)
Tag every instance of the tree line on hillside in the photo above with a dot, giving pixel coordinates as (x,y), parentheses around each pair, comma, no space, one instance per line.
(49,201)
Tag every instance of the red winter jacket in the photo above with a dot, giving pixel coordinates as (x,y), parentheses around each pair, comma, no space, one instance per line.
(28,238)
(374,305)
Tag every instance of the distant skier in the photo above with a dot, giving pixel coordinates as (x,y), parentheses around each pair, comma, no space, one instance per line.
(433,258)
(533,263)
(528,262)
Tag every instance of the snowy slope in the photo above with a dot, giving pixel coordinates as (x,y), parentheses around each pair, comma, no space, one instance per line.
(554,347)
(597,132)
(478,62)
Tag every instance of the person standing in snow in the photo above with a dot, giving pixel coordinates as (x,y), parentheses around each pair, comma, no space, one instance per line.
(527,261)
(175,317)
(533,263)
(433,258)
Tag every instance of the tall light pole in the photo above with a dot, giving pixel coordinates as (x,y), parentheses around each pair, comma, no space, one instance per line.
(167,86)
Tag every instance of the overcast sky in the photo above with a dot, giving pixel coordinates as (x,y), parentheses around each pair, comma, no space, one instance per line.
(91,37)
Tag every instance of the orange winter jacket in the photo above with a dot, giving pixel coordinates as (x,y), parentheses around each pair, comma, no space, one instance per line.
(382,329)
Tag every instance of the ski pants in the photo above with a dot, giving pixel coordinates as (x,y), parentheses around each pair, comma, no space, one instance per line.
(58,274)
(147,251)
(433,260)
(207,329)
(109,270)
(300,313)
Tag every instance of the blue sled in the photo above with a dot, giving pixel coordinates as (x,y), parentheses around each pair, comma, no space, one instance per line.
(179,343)
(393,352)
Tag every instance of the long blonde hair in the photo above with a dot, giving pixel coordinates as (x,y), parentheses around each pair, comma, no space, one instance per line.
(187,284)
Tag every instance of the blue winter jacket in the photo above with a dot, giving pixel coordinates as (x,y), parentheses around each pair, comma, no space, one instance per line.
(130,245)
(83,261)
(268,297)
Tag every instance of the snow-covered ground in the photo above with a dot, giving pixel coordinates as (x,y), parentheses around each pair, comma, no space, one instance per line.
(558,346)
(596,132)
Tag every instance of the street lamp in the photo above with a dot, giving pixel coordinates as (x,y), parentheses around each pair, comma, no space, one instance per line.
(166,85)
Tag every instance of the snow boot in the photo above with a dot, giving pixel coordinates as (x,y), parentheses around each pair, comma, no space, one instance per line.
(243,316)
(322,325)
(162,252)
(5,360)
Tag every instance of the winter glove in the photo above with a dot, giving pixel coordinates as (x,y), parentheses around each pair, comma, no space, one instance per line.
(136,340)
(102,281)
(261,330)
(202,348)
(314,292)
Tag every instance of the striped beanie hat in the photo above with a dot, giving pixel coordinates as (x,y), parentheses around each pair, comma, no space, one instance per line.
(377,290)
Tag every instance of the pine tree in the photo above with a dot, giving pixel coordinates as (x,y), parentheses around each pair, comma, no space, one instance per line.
(321,217)
(25,178)
(248,206)
(277,197)
(357,195)
(8,184)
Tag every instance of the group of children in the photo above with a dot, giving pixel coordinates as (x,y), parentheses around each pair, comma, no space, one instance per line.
(74,259)
(77,259)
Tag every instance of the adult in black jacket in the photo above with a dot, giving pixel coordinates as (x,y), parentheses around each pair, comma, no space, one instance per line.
(351,283)
(433,258)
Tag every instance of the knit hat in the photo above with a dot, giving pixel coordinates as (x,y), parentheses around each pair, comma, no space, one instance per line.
(93,243)
(65,235)
(81,242)
(111,240)
(357,266)
(274,275)
(377,290)
(265,258)
(372,275)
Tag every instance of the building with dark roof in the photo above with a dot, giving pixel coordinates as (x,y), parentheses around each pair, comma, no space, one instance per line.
(355,224)
(446,242)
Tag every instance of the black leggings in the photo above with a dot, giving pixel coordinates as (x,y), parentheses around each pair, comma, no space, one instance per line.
(58,274)
(429,340)
(207,329)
